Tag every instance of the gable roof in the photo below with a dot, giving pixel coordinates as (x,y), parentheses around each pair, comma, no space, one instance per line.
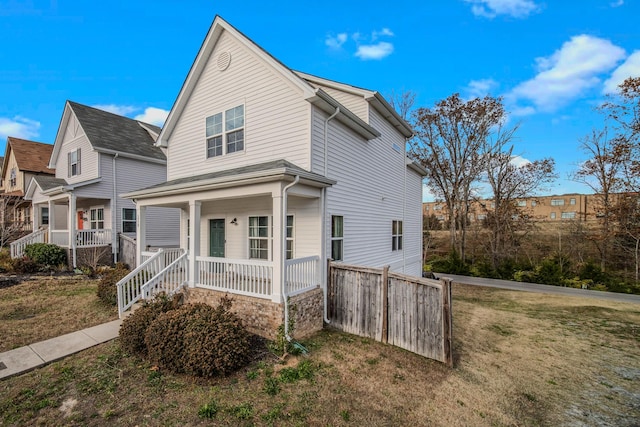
(233,177)
(308,92)
(30,156)
(110,133)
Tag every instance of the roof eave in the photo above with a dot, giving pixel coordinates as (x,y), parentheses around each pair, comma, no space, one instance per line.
(382,106)
(131,156)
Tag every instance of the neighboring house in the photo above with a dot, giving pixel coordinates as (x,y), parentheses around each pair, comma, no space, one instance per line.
(96,156)
(275,171)
(22,161)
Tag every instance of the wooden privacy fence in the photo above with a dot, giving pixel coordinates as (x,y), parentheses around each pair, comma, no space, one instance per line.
(127,250)
(406,311)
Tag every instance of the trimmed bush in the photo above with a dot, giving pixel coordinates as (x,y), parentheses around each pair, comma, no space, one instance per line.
(216,342)
(134,328)
(107,290)
(165,337)
(46,254)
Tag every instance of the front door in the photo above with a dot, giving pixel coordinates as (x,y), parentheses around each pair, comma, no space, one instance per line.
(216,238)
(80,221)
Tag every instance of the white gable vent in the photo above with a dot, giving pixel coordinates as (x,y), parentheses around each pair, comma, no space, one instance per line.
(224,58)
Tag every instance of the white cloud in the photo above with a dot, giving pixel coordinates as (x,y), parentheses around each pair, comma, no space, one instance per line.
(617,3)
(522,111)
(153,115)
(337,41)
(481,88)
(19,127)
(629,68)
(121,110)
(519,161)
(492,8)
(367,46)
(374,51)
(568,73)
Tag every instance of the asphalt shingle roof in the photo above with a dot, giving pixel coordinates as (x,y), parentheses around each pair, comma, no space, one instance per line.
(112,132)
(31,156)
(47,182)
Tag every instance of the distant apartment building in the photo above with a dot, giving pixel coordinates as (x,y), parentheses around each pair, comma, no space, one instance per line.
(578,207)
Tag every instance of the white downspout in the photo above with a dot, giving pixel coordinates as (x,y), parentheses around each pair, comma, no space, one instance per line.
(323,243)
(283,256)
(404,207)
(114,213)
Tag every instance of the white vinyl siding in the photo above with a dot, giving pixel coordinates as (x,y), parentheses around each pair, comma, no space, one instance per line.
(276,116)
(74,140)
(355,103)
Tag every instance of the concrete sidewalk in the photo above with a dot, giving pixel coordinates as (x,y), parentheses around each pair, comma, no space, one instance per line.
(23,359)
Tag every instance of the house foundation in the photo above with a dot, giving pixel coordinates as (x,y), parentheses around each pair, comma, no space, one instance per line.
(263,317)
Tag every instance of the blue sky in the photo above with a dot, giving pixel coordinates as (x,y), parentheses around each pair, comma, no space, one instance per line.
(551,61)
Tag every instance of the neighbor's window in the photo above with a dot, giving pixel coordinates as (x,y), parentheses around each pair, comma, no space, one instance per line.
(225,132)
(396,235)
(522,203)
(128,220)
(533,203)
(13,178)
(572,201)
(259,237)
(552,215)
(44,215)
(27,215)
(97,218)
(557,202)
(289,236)
(568,215)
(482,216)
(337,237)
(74,162)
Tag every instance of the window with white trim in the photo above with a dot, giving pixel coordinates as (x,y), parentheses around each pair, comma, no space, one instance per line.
(337,237)
(557,202)
(44,215)
(289,236)
(128,220)
(225,132)
(259,237)
(568,215)
(13,178)
(396,235)
(74,162)
(97,218)
(572,201)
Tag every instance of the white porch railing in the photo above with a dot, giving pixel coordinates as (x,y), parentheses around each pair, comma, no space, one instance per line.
(17,247)
(302,274)
(173,277)
(130,287)
(170,255)
(237,276)
(93,238)
(60,238)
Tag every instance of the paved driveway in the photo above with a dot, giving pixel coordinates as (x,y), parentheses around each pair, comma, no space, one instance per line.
(534,287)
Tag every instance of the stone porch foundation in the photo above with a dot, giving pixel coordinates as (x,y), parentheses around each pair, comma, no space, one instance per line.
(262,317)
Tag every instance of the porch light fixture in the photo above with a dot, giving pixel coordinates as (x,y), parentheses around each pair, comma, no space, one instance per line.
(234,221)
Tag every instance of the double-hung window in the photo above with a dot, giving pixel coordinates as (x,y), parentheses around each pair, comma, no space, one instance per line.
(128,220)
(44,215)
(396,235)
(225,132)
(97,218)
(259,237)
(557,202)
(74,162)
(337,238)
(13,178)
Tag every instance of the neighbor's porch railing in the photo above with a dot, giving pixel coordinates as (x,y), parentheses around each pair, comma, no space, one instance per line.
(93,238)
(17,247)
(237,276)
(130,287)
(302,274)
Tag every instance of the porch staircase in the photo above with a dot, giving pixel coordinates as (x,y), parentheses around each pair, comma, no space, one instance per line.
(17,246)
(163,271)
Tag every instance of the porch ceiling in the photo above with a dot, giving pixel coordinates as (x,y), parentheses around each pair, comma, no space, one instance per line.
(279,170)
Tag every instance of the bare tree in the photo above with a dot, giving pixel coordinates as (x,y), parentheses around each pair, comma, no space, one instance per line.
(11,228)
(627,218)
(509,184)
(403,102)
(450,140)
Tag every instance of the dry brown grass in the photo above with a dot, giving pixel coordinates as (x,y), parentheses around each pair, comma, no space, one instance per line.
(521,359)
(43,307)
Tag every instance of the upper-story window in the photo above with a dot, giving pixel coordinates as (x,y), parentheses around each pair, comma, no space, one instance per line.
(522,203)
(13,178)
(225,132)
(74,162)
(572,201)
(557,202)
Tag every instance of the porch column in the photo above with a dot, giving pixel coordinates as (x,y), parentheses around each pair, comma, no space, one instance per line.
(35,215)
(194,239)
(52,220)
(141,232)
(72,227)
(276,257)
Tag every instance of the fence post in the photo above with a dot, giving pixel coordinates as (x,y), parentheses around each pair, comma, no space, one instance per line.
(447,322)
(385,304)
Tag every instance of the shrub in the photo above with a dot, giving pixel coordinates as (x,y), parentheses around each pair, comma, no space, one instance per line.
(134,328)
(164,338)
(216,342)
(46,254)
(107,290)
(25,265)
(6,263)
(451,264)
